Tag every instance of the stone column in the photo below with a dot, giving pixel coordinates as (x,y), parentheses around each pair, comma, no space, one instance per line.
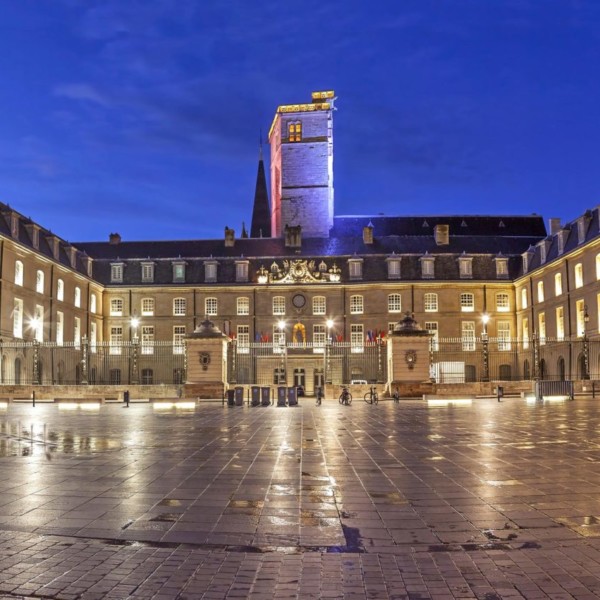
(206,351)
(408,359)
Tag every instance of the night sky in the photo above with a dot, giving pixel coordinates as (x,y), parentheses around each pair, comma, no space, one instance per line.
(143,117)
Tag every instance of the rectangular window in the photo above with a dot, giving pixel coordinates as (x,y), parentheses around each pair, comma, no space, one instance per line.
(467,302)
(278,305)
(210,307)
(60,290)
(147,307)
(319,306)
(77,297)
(18,272)
(116,307)
(241,271)
(356,305)
(560,324)
(210,272)
(77,332)
(178,339)
(430,302)
(580,315)
(523,298)
(179,307)
(427,268)
(525,326)
(355,268)
(147,339)
(597,266)
(319,338)
(393,268)
(116,273)
(394,303)
(60,328)
(542,328)
(558,290)
(278,339)
(357,339)
(243,306)
(578,275)
(38,323)
(116,340)
(465,268)
(502,302)
(93,337)
(147,272)
(540,291)
(468,335)
(432,328)
(39,282)
(179,272)
(18,318)
(243,339)
(503,335)
(93,307)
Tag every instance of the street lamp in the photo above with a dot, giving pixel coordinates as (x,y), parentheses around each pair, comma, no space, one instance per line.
(329,323)
(135,323)
(586,344)
(485,319)
(282,370)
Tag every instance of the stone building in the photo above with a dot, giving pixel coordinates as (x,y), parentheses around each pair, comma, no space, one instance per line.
(305,275)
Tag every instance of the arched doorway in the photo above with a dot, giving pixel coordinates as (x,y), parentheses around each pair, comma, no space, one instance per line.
(526,369)
(560,367)
(17,371)
(505,373)
(580,366)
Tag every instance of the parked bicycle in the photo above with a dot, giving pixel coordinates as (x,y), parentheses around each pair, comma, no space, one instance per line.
(346,396)
(371,397)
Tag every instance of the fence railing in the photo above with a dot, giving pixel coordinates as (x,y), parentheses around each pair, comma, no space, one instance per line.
(91,363)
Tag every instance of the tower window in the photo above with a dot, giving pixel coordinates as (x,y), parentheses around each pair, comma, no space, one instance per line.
(295,132)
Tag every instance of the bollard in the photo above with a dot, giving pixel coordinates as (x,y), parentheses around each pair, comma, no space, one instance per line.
(33,398)
(500,392)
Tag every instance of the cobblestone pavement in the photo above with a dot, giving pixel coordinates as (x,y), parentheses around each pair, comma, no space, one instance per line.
(413,500)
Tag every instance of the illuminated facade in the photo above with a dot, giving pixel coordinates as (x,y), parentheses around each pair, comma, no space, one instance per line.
(317,278)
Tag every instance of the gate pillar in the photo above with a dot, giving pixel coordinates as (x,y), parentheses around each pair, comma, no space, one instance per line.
(206,351)
(409,359)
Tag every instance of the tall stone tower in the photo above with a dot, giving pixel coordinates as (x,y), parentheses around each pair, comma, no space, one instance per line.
(301,139)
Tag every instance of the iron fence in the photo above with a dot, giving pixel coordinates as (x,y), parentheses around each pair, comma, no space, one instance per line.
(472,360)
(49,363)
(308,365)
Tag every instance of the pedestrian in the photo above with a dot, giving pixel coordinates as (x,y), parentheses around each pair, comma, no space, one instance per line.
(396,395)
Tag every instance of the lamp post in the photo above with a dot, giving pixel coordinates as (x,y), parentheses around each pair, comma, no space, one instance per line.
(586,344)
(486,348)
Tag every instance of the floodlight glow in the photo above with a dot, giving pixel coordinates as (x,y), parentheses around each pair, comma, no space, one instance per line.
(449,401)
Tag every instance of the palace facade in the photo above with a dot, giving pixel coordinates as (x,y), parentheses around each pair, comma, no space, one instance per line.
(305,275)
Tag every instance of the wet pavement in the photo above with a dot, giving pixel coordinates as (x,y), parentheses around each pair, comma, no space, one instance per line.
(413,500)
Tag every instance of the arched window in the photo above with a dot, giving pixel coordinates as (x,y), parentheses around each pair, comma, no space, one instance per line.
(60,289)
(39,281)
(18,272)
(77,297)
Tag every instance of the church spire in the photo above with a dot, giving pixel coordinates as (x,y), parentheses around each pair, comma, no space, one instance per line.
(261,213)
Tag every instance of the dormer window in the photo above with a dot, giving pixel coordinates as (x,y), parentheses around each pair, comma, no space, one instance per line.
(147,272)
(241,270)
(393,264)
(501,268)
(14,225)
(116,272)
(427,267)
(581,227)
(210,271)
(465,265)
(355,268)
(295,131)
(179,272)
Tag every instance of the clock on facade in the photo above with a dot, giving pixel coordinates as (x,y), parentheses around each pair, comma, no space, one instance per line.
(299,301)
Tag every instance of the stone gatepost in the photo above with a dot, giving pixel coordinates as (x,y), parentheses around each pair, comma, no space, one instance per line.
(206,351)
(408,359)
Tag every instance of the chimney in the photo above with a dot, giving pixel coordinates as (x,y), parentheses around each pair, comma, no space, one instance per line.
(114,239)
(229,237)
(368,233)
(293,236)
(441,233)
(554,225)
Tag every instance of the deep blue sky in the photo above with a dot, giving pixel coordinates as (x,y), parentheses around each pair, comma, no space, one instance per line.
(143,116)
